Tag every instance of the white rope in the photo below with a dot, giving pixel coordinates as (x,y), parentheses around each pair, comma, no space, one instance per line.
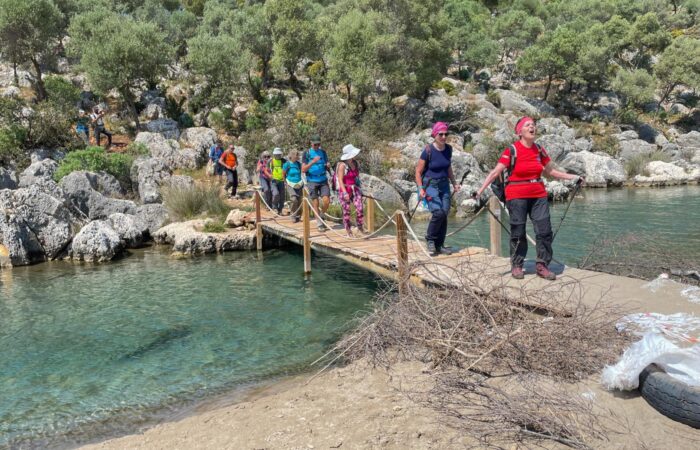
(424,250)
(466,224)
(351,237)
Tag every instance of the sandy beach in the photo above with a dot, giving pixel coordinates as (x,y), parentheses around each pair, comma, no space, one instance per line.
(357,407)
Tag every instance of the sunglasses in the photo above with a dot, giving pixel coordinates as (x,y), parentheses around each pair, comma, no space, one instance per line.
(266,156)
(442,134)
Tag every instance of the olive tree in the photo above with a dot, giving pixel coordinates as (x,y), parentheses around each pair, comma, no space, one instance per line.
(679,65)
(29,30)
(636,87)
(120,53)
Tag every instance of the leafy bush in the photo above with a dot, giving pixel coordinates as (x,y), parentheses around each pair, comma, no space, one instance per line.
(95,159)
(11,145)
(494,98)
(214,227)
(61,91)
(636,166)
(190,202)
(137,149)
(51,126)
(173,107)
(383,121)
(607,144)
(446,85)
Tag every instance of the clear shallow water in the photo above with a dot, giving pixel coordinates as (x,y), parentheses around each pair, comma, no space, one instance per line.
(672,214)
(89,350)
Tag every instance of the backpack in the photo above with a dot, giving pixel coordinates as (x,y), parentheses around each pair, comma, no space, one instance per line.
(428,151)
(306,158)
(498,186)
(335,184)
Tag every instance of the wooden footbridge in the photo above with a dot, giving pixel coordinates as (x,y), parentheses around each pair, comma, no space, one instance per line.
(402,256)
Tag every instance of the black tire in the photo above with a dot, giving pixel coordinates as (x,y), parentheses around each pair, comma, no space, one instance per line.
(672,398)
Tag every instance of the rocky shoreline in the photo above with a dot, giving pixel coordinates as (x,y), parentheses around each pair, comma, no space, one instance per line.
(92,217)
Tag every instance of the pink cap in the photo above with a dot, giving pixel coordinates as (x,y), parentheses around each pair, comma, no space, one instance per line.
(521,122)
(439,127)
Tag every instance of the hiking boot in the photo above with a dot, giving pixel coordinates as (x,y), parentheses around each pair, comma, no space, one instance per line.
(544,272)
(445,250)
(517,272)
(431,248)
(322,227)
(295,219)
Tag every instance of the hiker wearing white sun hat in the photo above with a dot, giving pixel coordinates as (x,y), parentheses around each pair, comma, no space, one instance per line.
(347,177)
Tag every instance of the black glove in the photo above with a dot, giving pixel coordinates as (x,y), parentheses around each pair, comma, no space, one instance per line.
(578,180)
(479,201)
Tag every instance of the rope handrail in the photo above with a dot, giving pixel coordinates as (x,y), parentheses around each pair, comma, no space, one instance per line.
(349,237)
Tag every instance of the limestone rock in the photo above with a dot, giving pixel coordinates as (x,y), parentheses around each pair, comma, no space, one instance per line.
(34,226)
(556,146)
(398,174)
(198,138)
(147,175)
(152,112)
(243,174)
(169,151)
(600,169)
(8,179)
(130,229)
(556,190)
(512,101)
(38,173)
(181,182)
(691,139)
(380,190)
(635,147)
(187,240)
(236,218)
(152,217)
(665,174)
(81,189)
(405,188)
(166,127)
(96,242)
(40,154)
(629,135)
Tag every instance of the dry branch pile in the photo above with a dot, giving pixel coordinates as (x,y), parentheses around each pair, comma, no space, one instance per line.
(499,366)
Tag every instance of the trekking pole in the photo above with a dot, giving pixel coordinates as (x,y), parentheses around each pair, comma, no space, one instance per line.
(578,185)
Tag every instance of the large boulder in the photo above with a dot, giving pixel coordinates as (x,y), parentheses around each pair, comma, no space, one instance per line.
(147,175)
(96,242)
(40,172)
(187,239)
(635,147)
(600,169)
(380,190)
(660,173)
(691,139)
(243,174)
(405,188)
(169,151)
(512,101)
(40,154)
(34,226)
(131,230)
(8,179)
(198,138)
(181,182)
(166,127)
(556,146)
(443,105)
(80,188)
(152,217)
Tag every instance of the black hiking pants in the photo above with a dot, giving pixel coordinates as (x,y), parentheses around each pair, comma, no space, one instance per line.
(538,210)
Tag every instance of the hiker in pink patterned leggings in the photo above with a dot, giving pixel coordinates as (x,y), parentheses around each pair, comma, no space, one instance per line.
(348,178)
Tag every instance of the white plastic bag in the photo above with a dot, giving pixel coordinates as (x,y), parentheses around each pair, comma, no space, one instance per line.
(210,168)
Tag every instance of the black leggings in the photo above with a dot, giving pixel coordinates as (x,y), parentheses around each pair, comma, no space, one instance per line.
(538,210)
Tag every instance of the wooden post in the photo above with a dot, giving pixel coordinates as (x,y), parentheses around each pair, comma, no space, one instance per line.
(307,233)
(258,222)
(369,215)
(494,226)
(402,252)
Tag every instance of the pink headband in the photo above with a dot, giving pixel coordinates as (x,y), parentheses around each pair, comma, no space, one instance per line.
(521,122)
(439,127)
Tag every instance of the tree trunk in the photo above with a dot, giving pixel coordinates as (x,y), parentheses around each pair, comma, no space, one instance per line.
(348,89)
(14,72)
(549,84)
(265,75)
(39,83)
(131,105)
(294,83)
(666,94)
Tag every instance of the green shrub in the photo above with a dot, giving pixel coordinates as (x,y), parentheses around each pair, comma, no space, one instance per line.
(636,166)
(214,227)
(173,107)
(607,144)
(61,91)
(51,126)
(383,121)
(191,202)
(658,155)
(12,145)
(137,149)
(446,85)
(95,159)
(493,98)
(185,121)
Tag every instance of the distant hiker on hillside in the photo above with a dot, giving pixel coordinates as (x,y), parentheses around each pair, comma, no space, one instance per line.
(314,163)
(82,126)
(295,185)
(347,177)
(525,195)
(262,169)
(215,152)
(97,118)
(277,179)
(229,162)
(433,177)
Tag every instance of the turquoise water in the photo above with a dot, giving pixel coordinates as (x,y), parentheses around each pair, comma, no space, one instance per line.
(671,215)
(96,350)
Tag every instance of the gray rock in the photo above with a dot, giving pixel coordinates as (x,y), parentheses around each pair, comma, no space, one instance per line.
(152,217)
(186,239)
(243,174)
(635,147)
(691,139)
(96,242)
(80,187)
(236,218)
(181,182)
(198,138)
(152,112)
(8,179)
(11,92)
(130,229)
(492,119)
(512,101)
(582,145)
(464,162)
(660,140)
(556,190)
(168,151)
(380,190)
(34,226)
(41,154)
(398,174)
(405,188)
(599,169)
(106,184)
(38,173)
(679,108)
(672,133)
(556,146)
(167,127)
(147,175)
(503,137)
(551,125)
(412,109)
(444,105)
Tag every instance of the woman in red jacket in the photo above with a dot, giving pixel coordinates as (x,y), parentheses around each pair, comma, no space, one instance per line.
(526,195)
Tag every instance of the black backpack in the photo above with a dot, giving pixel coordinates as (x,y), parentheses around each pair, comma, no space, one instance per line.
(498,186)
